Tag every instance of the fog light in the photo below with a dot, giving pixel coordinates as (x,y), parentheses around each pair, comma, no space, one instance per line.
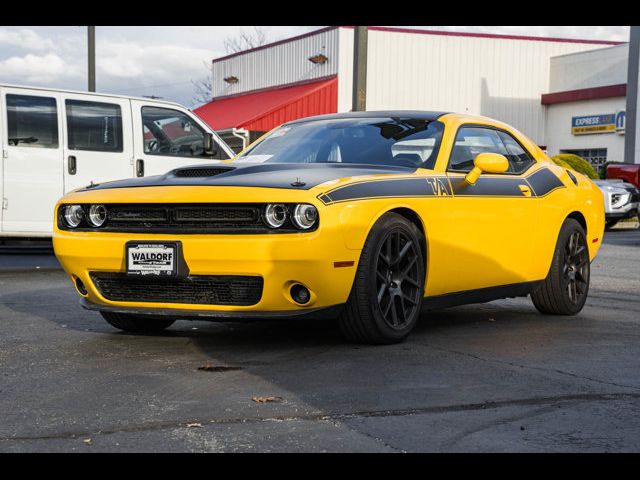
(300,294)
(81,288)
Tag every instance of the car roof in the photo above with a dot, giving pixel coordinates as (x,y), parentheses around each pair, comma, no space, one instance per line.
(420,114)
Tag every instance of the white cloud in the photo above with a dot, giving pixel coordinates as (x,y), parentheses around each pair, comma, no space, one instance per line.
(24,38)
(39,69)
(153,62)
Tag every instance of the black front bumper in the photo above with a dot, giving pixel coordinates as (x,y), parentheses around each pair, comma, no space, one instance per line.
(216,315)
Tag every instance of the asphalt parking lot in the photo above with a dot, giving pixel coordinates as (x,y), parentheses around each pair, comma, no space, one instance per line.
(492,378)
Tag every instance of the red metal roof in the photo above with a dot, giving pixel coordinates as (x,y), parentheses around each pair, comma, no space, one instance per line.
(592,93)
(266,109)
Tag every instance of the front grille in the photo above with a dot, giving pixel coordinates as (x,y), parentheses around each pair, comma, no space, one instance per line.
(196,289)
(149,218)
(199,172)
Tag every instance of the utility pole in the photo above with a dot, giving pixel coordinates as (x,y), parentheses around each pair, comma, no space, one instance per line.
(360,35)
(631,119)
(91,44)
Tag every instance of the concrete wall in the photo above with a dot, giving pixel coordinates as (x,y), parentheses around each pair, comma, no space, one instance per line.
(595,68)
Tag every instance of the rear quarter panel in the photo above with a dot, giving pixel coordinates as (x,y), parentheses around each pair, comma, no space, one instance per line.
(584,199)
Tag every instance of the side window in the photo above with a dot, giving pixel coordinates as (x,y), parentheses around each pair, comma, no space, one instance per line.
(94,126)
(519,158)
(32,121)
(172,133)
(470,142)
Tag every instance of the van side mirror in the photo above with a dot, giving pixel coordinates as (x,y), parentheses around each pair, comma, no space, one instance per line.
(209,144)
(487,163)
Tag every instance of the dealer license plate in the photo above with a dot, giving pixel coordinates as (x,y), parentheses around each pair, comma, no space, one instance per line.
(151,259)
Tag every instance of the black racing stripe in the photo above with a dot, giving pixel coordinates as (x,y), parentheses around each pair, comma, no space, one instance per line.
(544,182)
(402,187)
(488,187)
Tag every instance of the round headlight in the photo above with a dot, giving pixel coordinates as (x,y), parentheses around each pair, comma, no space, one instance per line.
(97,215)
(305,216)
(73,215)
(275,215)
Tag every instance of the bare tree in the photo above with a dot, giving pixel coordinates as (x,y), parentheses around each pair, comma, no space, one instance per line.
(243,41)
(203,88)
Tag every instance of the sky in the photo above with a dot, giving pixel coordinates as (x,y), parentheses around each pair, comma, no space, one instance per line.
(164,61)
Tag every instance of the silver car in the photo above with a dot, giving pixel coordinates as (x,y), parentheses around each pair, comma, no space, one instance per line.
(621,200)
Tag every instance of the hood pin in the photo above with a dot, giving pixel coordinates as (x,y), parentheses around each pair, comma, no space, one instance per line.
(298,183)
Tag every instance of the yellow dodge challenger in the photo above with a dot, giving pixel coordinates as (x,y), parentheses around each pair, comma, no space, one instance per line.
(371,217)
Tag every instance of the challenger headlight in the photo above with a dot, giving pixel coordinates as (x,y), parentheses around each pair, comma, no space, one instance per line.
(73,215)
(97,215)
(275,214)
(305,216)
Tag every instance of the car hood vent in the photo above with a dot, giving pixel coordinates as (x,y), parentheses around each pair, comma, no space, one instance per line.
(193,172)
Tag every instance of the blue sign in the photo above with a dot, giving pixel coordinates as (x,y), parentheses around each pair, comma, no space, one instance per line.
(605,123)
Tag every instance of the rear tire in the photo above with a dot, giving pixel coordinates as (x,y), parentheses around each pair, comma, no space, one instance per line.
(385,300)
(565,290)
(136,323)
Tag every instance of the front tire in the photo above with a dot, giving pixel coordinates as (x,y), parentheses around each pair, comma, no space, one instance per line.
(136,323)
(385,300)
(564,291)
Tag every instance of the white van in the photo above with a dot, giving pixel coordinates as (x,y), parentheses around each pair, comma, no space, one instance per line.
(54,141)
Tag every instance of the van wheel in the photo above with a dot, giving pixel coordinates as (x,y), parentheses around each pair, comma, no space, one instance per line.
(385,300)
(136,323)
(564,291)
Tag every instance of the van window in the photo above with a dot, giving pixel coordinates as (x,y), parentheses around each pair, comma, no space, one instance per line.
(32,121)
(172,133)
(94,126)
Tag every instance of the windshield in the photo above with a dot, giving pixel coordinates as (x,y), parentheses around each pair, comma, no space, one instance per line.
(406,142)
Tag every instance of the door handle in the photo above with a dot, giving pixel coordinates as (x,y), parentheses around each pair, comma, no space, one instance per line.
(140,168)
(525,189)
(71,165)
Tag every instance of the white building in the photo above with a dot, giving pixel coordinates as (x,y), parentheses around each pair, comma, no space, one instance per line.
(586,102)
(499,76)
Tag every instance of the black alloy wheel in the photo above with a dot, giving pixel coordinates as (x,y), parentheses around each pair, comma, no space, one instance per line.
(576,267)
(398,281)
(565,290)
(386,297)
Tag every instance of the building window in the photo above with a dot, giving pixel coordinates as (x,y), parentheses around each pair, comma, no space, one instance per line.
(595,156)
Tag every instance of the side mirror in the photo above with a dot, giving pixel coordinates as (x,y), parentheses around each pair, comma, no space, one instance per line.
(487,163)
(209,144)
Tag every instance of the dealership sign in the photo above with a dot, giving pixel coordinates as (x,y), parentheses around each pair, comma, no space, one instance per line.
(605,123)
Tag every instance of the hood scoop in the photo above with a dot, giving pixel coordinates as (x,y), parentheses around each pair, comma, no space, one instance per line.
(195,172)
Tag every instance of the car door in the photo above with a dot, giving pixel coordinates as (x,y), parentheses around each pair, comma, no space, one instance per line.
(99,140)
(32,160)
(492,223)
(167,137)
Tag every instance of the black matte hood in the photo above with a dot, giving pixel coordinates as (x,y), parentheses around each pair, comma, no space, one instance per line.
(297,176)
